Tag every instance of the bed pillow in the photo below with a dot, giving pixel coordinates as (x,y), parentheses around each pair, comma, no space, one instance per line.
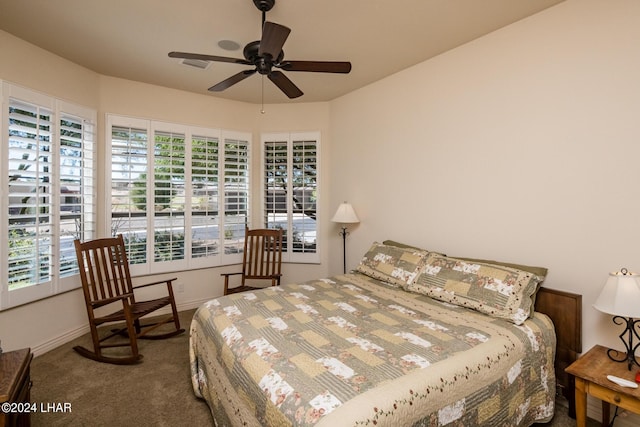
(541,272)
(394,265)
(538,271)
(497,290)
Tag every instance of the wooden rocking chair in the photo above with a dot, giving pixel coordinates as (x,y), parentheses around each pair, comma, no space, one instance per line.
(261,259)
(104,272)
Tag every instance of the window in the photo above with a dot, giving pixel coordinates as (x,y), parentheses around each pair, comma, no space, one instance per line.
(179,194)
(48,156)
(291,192)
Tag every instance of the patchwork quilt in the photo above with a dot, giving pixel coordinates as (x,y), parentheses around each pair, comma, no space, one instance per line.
(353,351)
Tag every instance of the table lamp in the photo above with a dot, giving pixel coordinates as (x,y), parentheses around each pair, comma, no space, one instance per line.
(620,297)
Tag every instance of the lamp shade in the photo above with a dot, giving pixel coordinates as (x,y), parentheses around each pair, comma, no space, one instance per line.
(620,295)
(345,214)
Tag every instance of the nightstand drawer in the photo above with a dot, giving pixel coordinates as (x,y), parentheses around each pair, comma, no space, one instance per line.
(615,397)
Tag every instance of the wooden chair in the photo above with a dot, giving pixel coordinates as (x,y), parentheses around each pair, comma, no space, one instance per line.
(261,259)
(106,282)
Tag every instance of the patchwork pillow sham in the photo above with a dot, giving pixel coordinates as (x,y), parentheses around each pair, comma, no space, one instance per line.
(541,272)
(497,290)
(397,266)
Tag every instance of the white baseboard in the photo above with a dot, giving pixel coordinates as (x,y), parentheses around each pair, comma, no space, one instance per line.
(59,340)
(84,329)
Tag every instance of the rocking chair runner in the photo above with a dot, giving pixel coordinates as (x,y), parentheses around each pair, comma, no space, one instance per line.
(104,272)
(261,259)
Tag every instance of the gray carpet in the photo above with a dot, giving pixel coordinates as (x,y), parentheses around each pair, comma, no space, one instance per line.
(155,392)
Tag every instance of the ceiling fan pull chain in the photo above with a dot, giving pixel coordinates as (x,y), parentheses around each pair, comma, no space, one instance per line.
(262,108)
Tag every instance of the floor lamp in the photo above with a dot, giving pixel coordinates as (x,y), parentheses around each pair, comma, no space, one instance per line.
(345,215)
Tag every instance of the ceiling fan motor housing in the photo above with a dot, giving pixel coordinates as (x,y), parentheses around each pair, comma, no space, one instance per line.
(263,64)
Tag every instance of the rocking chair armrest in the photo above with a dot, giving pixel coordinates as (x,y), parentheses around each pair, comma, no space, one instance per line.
(106,301)
(159,282)
(230,274)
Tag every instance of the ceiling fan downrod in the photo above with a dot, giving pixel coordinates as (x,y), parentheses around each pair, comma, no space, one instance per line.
(264,6)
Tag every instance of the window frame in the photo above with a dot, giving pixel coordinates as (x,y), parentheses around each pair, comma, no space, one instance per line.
(188,262)
(60,110)
(288,253)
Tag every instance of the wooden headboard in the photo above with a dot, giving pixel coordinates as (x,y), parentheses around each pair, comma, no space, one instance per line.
(565,310)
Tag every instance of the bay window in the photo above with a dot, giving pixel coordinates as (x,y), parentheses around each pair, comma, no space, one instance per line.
(179,194)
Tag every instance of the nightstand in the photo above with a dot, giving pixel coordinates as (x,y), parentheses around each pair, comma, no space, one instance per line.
(591,371)
(15,385)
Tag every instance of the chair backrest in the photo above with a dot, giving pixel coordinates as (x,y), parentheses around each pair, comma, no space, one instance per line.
(104,268)
(262,256)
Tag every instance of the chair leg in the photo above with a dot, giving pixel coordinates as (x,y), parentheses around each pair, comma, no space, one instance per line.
(174,309)
(97,346)
(176,319)
(132,330)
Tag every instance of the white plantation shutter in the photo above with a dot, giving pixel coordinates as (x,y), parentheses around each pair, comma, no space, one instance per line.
(290,179)
(49,158)
(195,212)
(30,203)
(236,193)
(77,191)
(304,169)
(205,166)
(129,166)
(276,181)
(169,196)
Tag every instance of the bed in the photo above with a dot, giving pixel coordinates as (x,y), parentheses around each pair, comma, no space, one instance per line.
(378,347)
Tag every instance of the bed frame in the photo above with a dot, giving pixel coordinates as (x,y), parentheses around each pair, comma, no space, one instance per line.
(565,310)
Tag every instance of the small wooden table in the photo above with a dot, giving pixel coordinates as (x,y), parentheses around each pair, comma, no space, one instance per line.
(591,371)
(15,385)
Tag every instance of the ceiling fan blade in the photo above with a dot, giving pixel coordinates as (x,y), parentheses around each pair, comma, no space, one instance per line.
(187,55)
(236,78)
(317,66)
(273,38)
(285,85)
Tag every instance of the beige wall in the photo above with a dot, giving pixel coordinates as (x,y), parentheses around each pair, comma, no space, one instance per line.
(45,324)
(521,146)
(24,64)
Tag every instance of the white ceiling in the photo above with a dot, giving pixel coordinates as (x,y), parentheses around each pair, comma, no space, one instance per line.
(130,39)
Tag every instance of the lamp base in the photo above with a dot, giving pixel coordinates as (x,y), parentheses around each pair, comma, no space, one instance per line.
(344,234)
(630,332)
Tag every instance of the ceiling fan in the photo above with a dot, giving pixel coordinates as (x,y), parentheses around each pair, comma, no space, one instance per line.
(265,55)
